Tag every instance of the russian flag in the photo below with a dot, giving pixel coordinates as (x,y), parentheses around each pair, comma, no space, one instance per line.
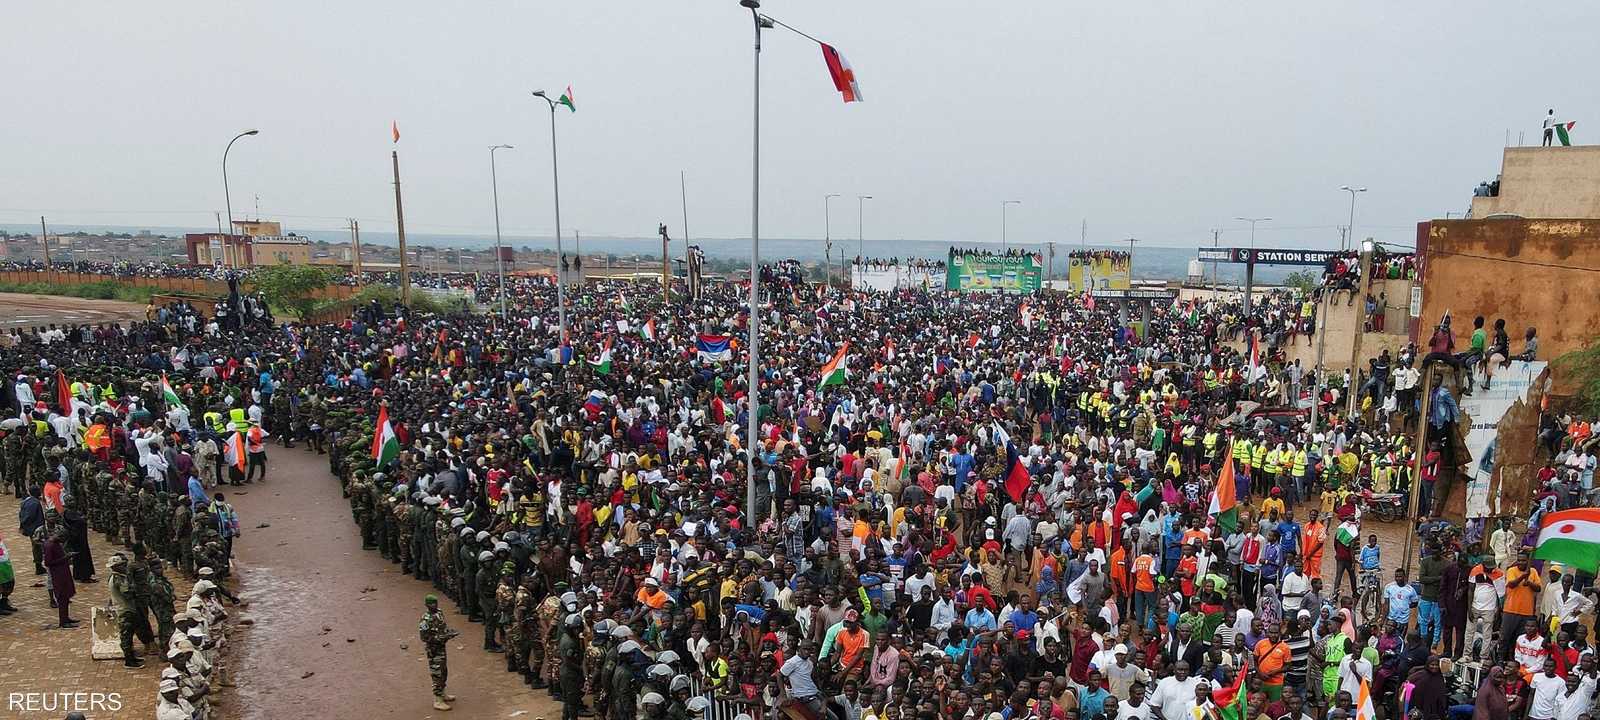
(594,402)
(713,347)
(1017,478)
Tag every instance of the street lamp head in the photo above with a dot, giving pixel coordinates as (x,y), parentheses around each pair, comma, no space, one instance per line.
(752,4)
(252,132)
(538,93)
(500,147)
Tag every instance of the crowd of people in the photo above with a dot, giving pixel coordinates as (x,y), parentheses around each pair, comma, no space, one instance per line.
(955,506)
(1116,257)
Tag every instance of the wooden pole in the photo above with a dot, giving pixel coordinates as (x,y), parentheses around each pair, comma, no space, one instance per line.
(400,227)
(44,238)
(1416,473)
(1363,284)
(355,249)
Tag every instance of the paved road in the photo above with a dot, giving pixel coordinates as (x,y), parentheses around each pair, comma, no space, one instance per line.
(324,606)
(21,310)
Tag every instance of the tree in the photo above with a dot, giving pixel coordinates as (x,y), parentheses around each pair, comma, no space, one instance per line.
(291,287)
(1303,280)
(1582,368)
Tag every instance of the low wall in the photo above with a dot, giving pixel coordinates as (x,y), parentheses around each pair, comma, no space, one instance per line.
(163,285)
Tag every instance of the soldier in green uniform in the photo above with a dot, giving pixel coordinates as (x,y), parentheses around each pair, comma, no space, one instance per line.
(505,595)
(520,635)
(121,590)
(468,558)
(361,506)
(486,582)
(623,685)
(435,634)
(139,586)
(403,525)
(161,598)
(183,535)
(571,652)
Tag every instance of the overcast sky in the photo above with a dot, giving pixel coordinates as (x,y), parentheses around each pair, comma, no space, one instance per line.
(1159,120)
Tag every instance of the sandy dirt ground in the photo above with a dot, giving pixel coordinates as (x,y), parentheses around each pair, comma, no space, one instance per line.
(18,310)
(336,626)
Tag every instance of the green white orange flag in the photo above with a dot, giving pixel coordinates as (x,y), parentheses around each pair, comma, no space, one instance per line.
(1570,537)
(1224,508)
(167,393)
(648,329)
(602,364)
(833,373)
(1561,132)
(385,444)
(566,99)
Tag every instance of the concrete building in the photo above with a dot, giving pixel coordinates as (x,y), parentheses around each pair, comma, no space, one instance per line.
(1544,182)
(253,243)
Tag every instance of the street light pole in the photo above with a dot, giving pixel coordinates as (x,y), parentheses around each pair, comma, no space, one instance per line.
(1351,233)
(226,195)
(754,381)
(1253,222)
(827,240)
(499,251)
(1003,205)
(861,235)
(555,175)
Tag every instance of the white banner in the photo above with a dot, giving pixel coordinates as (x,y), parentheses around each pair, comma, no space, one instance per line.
(1486,408)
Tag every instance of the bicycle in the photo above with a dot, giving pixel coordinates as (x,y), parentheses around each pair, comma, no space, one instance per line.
(1368,596)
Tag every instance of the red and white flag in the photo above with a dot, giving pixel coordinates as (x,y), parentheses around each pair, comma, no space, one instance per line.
(844,78)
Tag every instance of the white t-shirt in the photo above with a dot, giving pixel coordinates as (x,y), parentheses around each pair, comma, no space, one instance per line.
(1174,697)
(1294,582)
(1548,691)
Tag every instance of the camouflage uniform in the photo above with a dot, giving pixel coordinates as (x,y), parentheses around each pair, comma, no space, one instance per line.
(520,635)
(550,636)
(435,634)
(403,526)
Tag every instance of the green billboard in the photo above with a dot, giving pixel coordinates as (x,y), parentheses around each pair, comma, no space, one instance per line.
(969,271)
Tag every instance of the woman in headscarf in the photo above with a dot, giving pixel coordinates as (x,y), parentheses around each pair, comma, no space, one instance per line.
(1047,587)
(1490,703)
(1268,607)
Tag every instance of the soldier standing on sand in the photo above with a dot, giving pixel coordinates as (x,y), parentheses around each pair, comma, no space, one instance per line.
(435,633)
(571,651)
(121,588)
(520,636)
(485,584)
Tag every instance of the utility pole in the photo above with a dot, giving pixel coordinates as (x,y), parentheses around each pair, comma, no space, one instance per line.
(1216,240)
(400,226)
(44,238)
(355,250)
(666,263)
(1049,259)
(1362,283)
(683,197)
(1316,367)
(1416,471)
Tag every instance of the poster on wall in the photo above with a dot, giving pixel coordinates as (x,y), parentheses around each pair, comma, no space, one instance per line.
(1099,270)
(1486,408)
(987,272)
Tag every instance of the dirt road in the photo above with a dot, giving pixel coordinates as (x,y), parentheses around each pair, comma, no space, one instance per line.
(335,630)
(20,310)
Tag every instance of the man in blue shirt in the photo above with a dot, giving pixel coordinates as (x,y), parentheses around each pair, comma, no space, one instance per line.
(1289,534)
(962,462)
(1399,597)
(980,619)
(197,494)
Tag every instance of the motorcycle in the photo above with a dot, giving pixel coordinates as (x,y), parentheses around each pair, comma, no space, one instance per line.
(1387,507)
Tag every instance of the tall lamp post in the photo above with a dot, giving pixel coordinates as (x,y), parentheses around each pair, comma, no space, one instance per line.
(1003,205)
(827,241)
(1253,222)
(1350,233)
(754,380)
(499,252)
(227,197)
(861,235)
(555,175)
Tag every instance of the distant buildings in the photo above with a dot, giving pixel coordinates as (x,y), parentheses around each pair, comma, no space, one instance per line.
(253,243)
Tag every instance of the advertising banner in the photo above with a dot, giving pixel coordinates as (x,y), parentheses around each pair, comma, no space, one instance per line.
(1098,272)
(1486,408)
(984,272)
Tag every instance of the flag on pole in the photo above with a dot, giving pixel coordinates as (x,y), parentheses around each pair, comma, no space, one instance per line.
(623,301)
(833,373)
(844,77)
(395,128)
(940,365)
(1229,700)
(1561,132)
(1364,707)
(1223,505)
(1255,358)
(713,347)
(594,402)
(167,393)
(566,99)
(648,329)
(1570,537)
(1017,477)
(234,453)
(902,466)
(64,391)
(602,364)
(385,444)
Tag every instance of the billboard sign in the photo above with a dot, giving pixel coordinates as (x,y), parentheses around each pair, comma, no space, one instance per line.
(1098,271)
(984,272)
(1266,256)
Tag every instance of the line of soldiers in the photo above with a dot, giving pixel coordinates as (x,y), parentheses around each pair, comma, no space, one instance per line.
(525,615)
(159,530)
